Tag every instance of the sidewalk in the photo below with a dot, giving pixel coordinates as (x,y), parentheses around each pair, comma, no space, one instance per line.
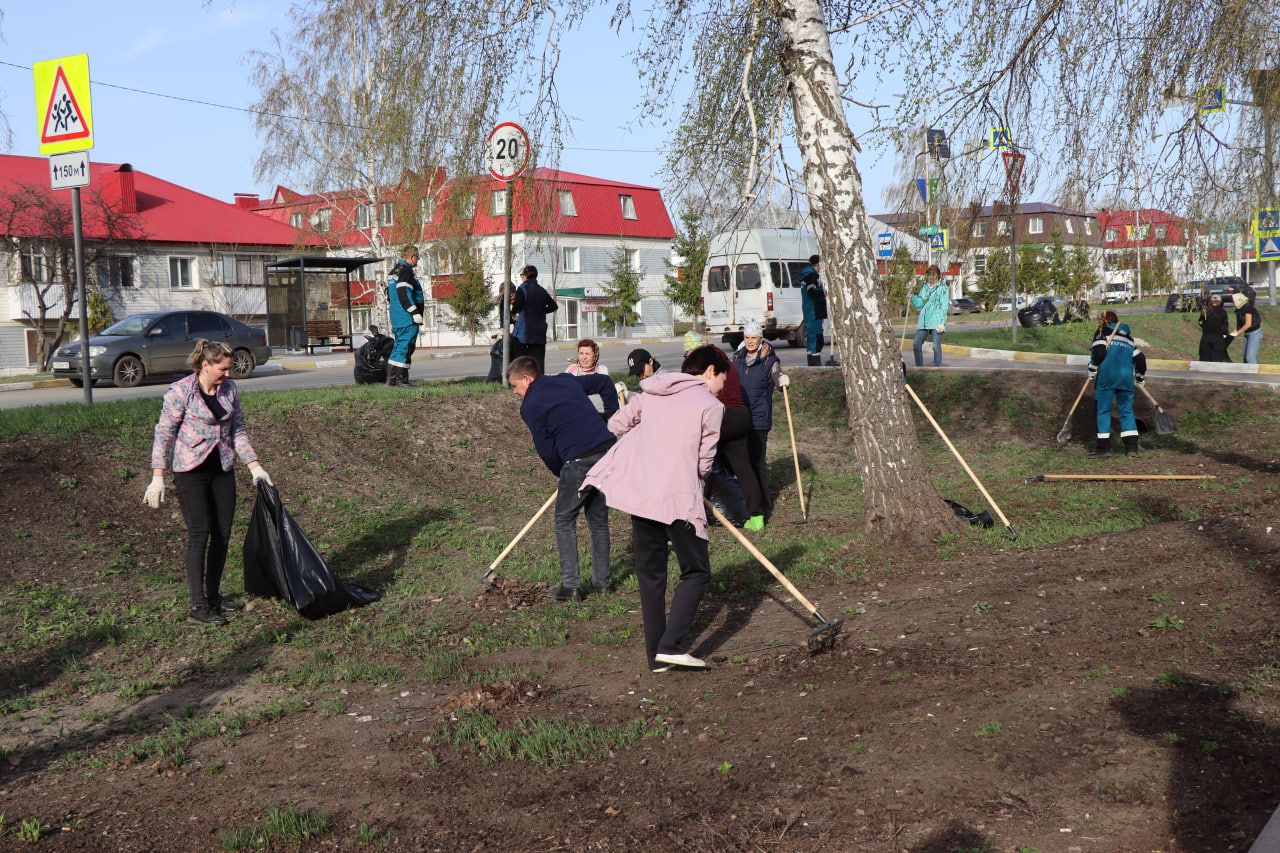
(1178,365)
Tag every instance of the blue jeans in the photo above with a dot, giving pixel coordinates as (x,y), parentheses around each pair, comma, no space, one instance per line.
(917,346)
(406,342)
(569,502)
(1124,404)
(1252,345)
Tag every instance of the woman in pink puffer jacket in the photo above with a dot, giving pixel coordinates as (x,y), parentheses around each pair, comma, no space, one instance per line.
(667,440)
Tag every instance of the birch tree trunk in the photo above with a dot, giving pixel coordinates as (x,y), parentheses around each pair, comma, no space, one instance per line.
(901,501)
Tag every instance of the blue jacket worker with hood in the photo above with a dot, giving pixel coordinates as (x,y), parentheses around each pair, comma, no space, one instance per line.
(813,304)
(570,437)
(530,306)
(761,374)
(1116,364)
(405,300)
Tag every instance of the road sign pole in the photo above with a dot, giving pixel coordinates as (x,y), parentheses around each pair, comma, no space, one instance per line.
(1269,184)
(1013,264)
(77,237)
(505,312)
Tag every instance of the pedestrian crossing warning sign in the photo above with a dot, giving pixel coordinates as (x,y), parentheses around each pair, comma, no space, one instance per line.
(64,113)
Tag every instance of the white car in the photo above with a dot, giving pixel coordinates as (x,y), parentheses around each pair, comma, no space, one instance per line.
(1003,304)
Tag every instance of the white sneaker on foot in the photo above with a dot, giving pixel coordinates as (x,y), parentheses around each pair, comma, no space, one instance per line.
(681,660)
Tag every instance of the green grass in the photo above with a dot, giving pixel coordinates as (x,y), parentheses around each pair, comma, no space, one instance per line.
(287,825)
(989,729)
(1173,336)
(10,378)
(550,743)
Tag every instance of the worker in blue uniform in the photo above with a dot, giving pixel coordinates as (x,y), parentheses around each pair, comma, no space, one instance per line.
(813,305)
(406,299)
(1116,364)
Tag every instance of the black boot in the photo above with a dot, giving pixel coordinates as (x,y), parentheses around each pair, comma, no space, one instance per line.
(392,373)
(1131,445)
(815,360)
(204,616)
(1102,449)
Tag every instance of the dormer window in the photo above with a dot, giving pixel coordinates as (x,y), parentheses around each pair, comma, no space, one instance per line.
(567,207)
(628,206)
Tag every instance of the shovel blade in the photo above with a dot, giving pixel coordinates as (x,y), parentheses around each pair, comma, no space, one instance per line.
(1064,434)
(1164,423)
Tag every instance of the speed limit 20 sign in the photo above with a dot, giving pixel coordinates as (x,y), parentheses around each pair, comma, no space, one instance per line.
(507,152)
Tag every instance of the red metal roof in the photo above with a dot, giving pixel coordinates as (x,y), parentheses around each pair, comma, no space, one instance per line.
(166,212)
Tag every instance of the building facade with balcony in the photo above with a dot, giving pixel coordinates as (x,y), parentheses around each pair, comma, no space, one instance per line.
(149,244)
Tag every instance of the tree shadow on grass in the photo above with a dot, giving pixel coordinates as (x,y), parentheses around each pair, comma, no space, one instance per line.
(34,673)
(376,558)
(1225,781)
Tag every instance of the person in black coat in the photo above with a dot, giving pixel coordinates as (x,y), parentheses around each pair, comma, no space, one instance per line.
(530,307)
(1215,331)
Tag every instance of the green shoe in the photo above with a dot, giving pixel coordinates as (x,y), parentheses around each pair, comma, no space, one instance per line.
(755,523)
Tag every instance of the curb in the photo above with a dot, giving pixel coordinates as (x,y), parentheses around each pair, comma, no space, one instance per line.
(27,386)
(985,354)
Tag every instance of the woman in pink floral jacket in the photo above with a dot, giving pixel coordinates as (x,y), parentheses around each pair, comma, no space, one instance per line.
(200,432)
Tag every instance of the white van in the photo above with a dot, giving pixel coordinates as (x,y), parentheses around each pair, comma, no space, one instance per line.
(754,274)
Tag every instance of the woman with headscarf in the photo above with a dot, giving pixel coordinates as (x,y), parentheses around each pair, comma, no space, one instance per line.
(1214,331)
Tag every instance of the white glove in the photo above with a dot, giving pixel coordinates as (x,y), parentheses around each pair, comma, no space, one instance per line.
(260,475)
(784,380)
(942,327)
(419,319)
(154,495)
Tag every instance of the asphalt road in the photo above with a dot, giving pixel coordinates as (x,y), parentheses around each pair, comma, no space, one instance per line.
(613,355)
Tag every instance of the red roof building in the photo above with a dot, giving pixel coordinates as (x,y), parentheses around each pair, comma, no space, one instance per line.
(149,244)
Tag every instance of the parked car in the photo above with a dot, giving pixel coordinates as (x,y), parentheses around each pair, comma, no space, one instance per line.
(158,343)
(1003,304)
(965,305)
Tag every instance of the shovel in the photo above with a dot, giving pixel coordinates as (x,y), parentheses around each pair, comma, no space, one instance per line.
(1164,418)
(1064,434)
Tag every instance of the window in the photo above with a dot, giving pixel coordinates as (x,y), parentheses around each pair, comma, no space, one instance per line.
(569,260)
(980,262)
(628,206)
(427,209)
(632,258)
(1002,227)
(567,207)
(35,266)
(980,229)
(115,272)
(296,220)
(468,207)
(498,205)
(1162,232)
(747,277)
(796,267)
(1109,236)
(1035,225)
(442,262)
(386,214)
(717,279)
(1088,228)
(207,325)
(362,216)
(181,275)
(778,274)
(324,219)
(1070,226)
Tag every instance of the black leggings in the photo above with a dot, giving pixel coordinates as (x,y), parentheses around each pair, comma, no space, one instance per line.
(736,442)
(207,495)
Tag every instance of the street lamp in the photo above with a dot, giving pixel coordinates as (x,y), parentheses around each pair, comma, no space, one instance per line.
(1013,161)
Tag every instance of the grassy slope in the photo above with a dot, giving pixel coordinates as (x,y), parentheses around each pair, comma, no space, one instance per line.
(1174,336)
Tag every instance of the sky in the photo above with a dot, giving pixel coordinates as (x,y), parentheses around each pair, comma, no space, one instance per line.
(182,48)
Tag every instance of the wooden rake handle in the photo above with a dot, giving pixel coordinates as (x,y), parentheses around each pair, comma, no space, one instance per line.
(795,455)
(764,561)
(956,453)
(1147,394)
(523,530)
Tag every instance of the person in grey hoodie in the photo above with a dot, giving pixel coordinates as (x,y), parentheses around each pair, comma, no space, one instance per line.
(667,440)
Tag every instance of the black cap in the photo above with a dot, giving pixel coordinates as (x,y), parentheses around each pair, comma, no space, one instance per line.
(637,360)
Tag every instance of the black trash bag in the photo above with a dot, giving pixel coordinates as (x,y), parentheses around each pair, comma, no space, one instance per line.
(725,493)
(983,518)
(371,358)
(495,361)
(280,562)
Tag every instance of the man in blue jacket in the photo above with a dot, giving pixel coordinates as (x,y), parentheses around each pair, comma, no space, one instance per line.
(570,437)
(813,305)
(405,299)
(530,307)
(1116,364)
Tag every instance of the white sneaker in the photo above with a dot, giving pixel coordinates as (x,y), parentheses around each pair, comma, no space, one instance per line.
(681,660)
(666,667)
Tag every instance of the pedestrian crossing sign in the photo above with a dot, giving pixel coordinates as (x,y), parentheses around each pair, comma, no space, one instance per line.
(1001,139)
(938,242)
(64,112)
(1269,248)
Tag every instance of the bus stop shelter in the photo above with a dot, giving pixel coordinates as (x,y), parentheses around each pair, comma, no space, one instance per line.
(308,293)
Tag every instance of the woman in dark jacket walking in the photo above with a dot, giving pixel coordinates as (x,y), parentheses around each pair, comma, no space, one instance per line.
(761,373)
(1215,331)
(200,433)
